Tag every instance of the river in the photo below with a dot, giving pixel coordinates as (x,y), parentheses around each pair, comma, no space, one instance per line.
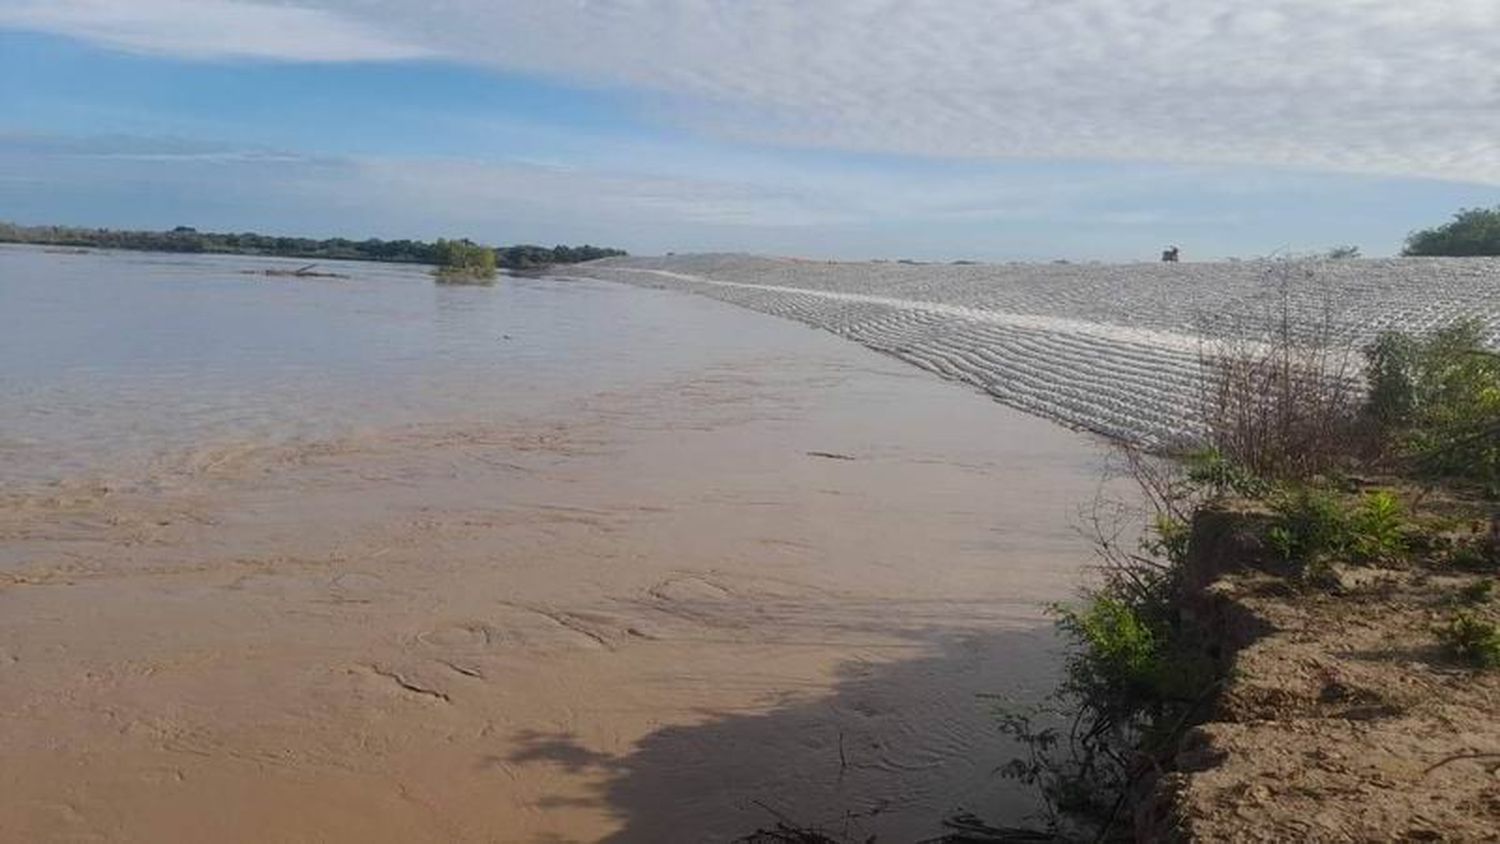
(374,559)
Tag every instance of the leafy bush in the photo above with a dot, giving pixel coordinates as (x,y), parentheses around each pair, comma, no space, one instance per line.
(1472,231)
(1436,400)
(1313,527)
(1342,253)
(1168,538)
(1132,682)
(1121,653)
(1472,639)
(1310,525)
(464,257)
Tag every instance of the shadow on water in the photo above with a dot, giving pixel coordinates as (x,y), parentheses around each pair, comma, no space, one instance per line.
(892,749)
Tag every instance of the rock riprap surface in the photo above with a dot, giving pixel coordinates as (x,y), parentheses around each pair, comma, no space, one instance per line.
(1116,349)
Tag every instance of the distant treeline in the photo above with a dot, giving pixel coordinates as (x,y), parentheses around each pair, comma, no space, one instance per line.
(525,256)
(185,239)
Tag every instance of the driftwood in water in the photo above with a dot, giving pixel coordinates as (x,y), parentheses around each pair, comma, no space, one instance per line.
(300,272)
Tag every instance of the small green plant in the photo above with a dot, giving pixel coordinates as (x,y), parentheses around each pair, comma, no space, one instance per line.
(1137,671)
(1311,525)
(1283,542)
(1377,529)
(1472,639)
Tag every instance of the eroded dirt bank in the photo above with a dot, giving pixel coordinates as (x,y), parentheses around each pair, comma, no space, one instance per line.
(1343,719)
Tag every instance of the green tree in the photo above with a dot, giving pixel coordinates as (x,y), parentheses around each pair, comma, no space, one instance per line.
(1472,231)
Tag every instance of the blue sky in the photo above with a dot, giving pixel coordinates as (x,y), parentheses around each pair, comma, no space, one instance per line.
(984,129)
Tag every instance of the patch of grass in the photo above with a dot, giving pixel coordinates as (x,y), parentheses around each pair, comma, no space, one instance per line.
(1472,639)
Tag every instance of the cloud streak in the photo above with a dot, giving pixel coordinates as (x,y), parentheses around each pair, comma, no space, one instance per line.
(1371,86)
(210,29)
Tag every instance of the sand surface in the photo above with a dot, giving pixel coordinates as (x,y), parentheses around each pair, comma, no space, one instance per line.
(1115,349)
(663,610)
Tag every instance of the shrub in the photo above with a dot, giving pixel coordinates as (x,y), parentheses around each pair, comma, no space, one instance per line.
(1168,538)
(1310,525)
(464,258)
(1284,403)
(1472,639)
(1121,653)
(1436,401)
(1390,364)
(1313,527)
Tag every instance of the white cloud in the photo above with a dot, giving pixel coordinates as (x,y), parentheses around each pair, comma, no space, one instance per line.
(210,29)
(1367,85)
(1375,86)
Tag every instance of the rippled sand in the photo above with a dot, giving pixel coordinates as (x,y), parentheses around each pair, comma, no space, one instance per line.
(772,579)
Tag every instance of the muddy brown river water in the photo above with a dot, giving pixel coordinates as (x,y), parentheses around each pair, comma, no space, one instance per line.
(375,560)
